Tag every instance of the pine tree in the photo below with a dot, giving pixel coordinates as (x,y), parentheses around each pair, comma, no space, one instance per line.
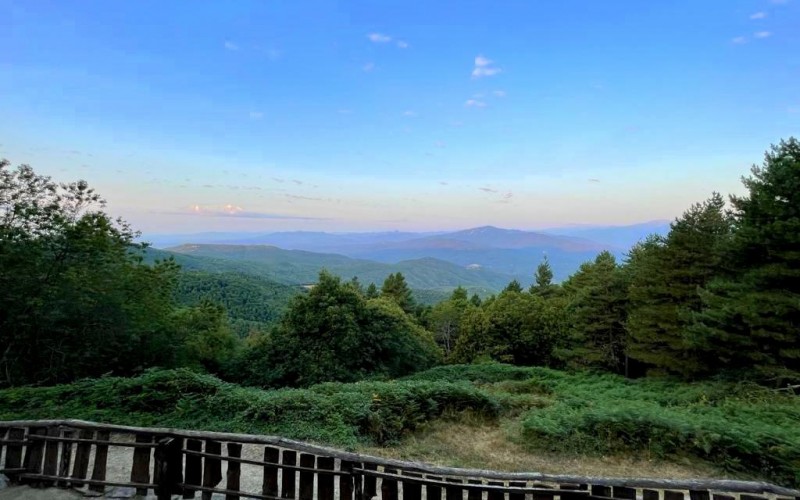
(514,286)
(666,274)
(396,288)
(372,291)
(543,279)
(597,306)
(750,315)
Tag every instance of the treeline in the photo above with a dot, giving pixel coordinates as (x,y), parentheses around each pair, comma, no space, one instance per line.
(719,294)
(77,301)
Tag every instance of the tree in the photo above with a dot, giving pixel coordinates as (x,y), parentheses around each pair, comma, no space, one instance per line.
(75,299)
(333,333)
(372,291)
(396,289)
(513,286)
(543,280)
(206,337)
(666,274)
(751,312)
(597,310)
(514,328)
(445,319)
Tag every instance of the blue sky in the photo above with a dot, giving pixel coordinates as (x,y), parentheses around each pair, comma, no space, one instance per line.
(350,116)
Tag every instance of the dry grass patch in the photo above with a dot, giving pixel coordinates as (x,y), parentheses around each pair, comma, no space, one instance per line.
(486,445)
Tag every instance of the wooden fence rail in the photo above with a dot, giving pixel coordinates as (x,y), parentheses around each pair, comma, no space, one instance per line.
(170,463)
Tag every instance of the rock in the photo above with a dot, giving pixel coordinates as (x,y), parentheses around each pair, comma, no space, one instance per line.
(121,492)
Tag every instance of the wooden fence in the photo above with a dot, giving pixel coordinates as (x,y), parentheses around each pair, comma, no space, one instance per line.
(93,457)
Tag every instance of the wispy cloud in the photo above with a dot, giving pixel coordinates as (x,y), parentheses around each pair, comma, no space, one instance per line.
(368,67)
(256,115)
(758,15)
(278,179)
(402,44)
(443,183)
(235,211)
(229,45)
(379,38)
(298,182)
(344,111)
(499,93)
(594,180)
(301,197)
(410,113)
(439,144)
(474,103)
(762,34)
(739,40)
(487,189)
(506,198)
(793,109)
(484,67)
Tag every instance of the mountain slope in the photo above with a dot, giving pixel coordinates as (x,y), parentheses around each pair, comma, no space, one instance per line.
(295,267)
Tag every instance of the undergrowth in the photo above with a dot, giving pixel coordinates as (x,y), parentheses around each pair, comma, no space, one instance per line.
(741,428)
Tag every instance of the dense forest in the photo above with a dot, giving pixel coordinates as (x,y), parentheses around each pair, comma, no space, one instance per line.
(715,301)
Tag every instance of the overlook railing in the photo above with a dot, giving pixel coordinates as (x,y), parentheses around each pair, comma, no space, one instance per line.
(167,462)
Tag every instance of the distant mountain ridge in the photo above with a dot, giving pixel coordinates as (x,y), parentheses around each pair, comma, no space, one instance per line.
(296,267)
(512,253)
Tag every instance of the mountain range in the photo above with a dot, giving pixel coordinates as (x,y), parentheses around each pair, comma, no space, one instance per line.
(483,257)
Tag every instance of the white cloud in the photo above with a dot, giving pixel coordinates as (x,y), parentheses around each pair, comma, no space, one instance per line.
(499,93)
(379,38)
(402,44)
(230,45)
(256,115)
(758,15)
(484,67)
(368,67)
(739,40)
(409,113)
(762,34)
(474,103)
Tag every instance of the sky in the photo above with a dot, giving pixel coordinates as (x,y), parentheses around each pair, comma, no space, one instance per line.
(261,115)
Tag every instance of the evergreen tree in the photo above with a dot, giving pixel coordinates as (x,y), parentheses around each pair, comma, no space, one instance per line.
(597,310)
(750,314)
(372,291)
(666,274)
(514,286)
(475,300)
(543,280)
(396,289)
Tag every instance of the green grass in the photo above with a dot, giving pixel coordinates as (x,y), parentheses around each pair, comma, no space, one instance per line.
(741,428)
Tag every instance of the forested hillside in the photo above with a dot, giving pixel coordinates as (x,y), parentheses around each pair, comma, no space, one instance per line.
(689,346)
(297,267)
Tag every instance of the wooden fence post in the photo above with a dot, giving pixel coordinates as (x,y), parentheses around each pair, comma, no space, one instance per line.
(168,469)
(212,467)
(140,471)
(234,470)
(100,462)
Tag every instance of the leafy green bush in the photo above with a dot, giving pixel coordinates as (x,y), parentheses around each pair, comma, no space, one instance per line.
(479,373)
(738,427)
(333,413)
